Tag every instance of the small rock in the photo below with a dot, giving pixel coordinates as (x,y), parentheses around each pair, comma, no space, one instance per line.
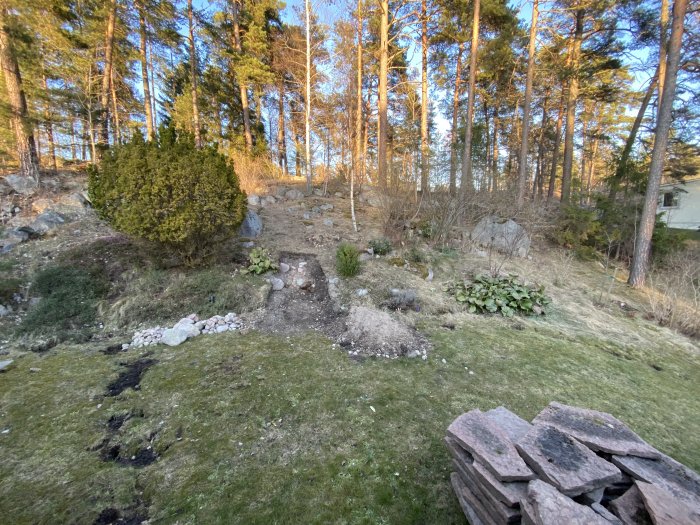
(267,200)
(362,292)
(35,369)
(327,222)
(253,200)
(413,354)
(338,195)
(6,363)
(284,267)
(221,329)
(277,284)
(5,310)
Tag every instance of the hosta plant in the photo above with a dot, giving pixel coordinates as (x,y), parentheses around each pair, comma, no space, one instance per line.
(507,295)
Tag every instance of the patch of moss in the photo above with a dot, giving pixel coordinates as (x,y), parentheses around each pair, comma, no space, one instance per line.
(256,428)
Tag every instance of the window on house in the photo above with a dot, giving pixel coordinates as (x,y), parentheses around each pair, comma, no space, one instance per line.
(670,199)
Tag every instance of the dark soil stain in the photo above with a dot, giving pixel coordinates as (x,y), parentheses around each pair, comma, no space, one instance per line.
(143,457)
(111,516)
(116,422)
(131,377)
(113,349)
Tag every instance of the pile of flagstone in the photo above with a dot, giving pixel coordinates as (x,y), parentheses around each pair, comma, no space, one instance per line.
(569,466)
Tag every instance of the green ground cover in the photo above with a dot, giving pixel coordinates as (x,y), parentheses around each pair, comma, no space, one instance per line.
(255,428)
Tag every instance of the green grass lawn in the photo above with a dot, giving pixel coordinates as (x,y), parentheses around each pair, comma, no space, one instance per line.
(267,429)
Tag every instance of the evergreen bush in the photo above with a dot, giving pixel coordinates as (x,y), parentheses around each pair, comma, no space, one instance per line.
(347,260)
(169,192)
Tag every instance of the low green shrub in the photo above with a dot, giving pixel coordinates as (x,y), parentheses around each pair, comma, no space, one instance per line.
(499,294)
(260,262)
(68,300)
(381,246)
(416,255)
(169,192)
(347,260)
(9,287)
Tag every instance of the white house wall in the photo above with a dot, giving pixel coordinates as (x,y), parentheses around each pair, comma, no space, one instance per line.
(687,215)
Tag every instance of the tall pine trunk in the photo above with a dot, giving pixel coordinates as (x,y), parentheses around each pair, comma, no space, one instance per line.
(522,161)
(242,85)
(555,149)
(103,139)
(642,248)
(281,136)
(571,101)
(143,39)
(19,116)
(48,118)
(193,75)
(359,160)
(467,181)
(621,170)
(383,99)
(455,116)
(424,152)
(307,101)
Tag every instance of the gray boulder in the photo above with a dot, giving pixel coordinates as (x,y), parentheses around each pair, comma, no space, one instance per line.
(5,310)
(253,200)
(267,200)
(294,195)
(175,336)
(252,225)
(12,239)
(21,184)
(47,221)
(506,236)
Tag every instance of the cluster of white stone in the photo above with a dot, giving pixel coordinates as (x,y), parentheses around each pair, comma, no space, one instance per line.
(185,328)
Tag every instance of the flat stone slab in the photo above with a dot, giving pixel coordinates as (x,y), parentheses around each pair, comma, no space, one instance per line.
(564,462)
(551,507)
(605,513)
(498,512)
(4,364)
(664,508)
(485,441)
(511,424)
(597,430)
(467,501)
(630,508)
(508,492)
(667,473)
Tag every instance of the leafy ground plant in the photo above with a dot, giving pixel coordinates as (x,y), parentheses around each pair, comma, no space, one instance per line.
(260,262)
(506,295)
(381,246)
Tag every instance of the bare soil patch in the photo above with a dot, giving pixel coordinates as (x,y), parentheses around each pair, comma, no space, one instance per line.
(130,378)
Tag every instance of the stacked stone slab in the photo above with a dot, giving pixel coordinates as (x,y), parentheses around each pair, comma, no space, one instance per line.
(569,466)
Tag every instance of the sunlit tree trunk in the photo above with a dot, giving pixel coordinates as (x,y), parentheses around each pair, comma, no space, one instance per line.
(467,182)
(455,115)
(522,161)
(143,39)
(193,74)
(281,136)
(307,102)
(19,116)
(642,248)
(572,99)
(48,118)
(107,76)
(359,160)
(424,152)
(555,149)
(383,100)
